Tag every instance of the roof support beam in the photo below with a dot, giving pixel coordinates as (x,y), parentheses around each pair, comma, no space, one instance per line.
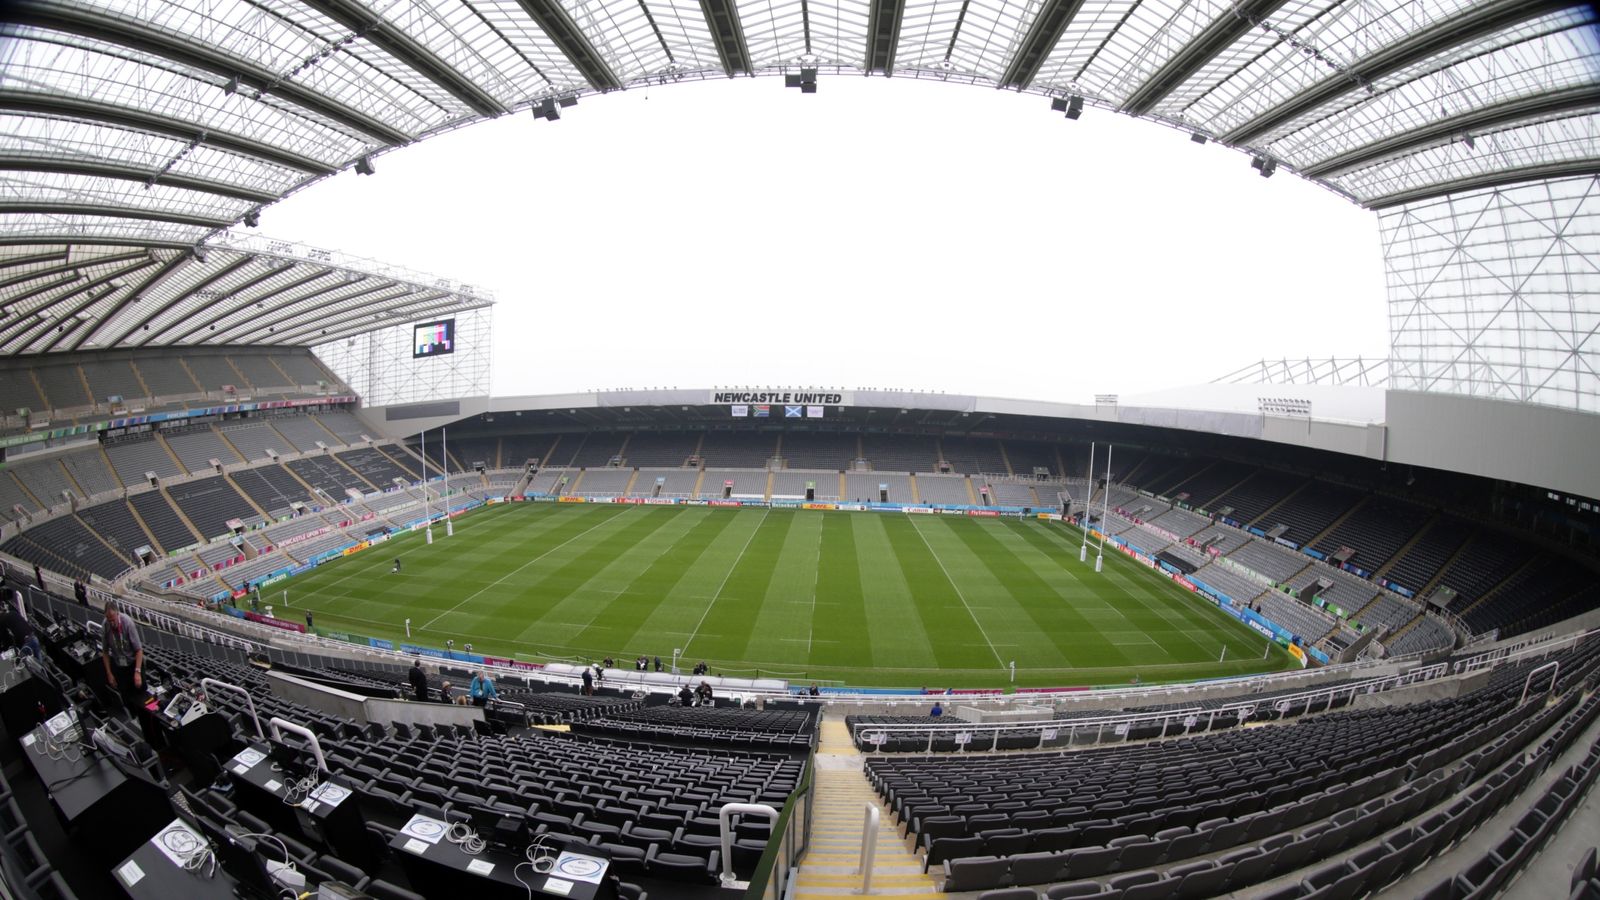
(229,330)
(32,258)
(727,32)
(400,45)
(213,278)
(115,212)
(15,315)
(1043,35)
(72,267)
(1478,121)
(1500,178)
(196,325)
(172,264)
(883,34)
(95,295)
(421,306)
(266,328)
(560,28)
(356,329)
(108,169)
(87,22)
(1218,36)
(141,120)
(1454,31)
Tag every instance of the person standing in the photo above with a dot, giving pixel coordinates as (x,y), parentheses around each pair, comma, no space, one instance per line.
(419,680)
(588,683)
(308,620)
(81,592)
(396,569)
(122,651)
(482,690)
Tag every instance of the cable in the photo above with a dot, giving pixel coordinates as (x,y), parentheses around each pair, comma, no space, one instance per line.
(464,837)
(197,852)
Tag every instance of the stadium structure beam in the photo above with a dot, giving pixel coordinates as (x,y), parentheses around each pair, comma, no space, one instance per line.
(258,330)
(70,267)
(727,32)
(229,330)
(560,28)
(303,336)
(1498,178)
(106,169)
(92,288)
(883,34)
(1451,32)
(172,264)
(14,313)
(1478,121)
(30,259)
(115,212)
(172,304)
(86,22)
(156,123)
(1043,35)
(1221,34)
(400,45)
(388,309)
(202,323)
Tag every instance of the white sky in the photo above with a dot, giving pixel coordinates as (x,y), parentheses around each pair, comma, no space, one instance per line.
(881,232)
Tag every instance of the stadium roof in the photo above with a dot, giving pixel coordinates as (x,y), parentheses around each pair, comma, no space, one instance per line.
(131,132)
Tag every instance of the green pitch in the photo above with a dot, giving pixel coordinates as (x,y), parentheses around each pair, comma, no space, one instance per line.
(861,598)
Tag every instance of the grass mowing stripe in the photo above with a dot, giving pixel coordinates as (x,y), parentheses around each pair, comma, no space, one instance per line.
(1036,606)
(957,588)
(724,583)
(1235,634)
(502,579)
(782,627)
(839,619)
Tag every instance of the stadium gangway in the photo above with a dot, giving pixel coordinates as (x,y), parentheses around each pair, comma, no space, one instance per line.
(1121,723)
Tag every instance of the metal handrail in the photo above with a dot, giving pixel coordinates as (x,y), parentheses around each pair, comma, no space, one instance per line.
(249,702)
(281,725)
(869,848)
(1248,707)
(1528,682)
(725,825)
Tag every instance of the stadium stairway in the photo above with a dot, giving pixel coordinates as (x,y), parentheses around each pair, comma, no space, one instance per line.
(843,793)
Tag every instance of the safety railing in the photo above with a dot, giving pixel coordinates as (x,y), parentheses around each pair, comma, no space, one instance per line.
(1066,731)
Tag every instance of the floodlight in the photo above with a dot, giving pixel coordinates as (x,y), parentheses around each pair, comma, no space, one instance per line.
(252,218)
(364,166)
(1197,137)
(1074,106)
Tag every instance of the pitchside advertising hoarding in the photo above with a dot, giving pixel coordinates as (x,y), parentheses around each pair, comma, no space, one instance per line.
(780,404)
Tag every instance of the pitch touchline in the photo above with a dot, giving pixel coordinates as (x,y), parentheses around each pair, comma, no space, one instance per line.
(725,578)
(959,595)
(530,562)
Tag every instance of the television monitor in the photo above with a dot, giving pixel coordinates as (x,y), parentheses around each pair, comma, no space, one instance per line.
(433,338)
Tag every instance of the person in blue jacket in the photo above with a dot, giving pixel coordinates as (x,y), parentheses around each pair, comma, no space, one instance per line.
(482,690)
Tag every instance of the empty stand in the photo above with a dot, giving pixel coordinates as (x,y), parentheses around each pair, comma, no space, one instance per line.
(162,520)
(197,445)
(133,457)
(737,449)
(210,503)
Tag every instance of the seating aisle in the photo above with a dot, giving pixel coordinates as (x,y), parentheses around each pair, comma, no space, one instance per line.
(828,869)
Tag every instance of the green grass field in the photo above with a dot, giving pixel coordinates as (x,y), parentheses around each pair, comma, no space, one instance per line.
(861,598)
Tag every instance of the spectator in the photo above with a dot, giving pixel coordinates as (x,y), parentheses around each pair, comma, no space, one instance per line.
(685,696)
(482,689)
(309,624)
(444,692)
(81,592)
(703,694)
(122,651)
(937,710)
(418,679)
(658,664)
(814,691)
(588,683)
(18,632)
